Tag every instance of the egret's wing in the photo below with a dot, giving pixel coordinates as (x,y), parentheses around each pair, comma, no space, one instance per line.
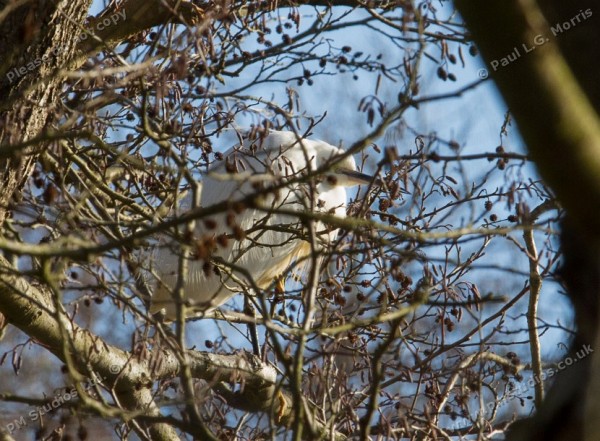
(263,255)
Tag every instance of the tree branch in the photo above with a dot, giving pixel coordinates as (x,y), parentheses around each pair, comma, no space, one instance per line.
(31,309)
(137,16)
(535,283)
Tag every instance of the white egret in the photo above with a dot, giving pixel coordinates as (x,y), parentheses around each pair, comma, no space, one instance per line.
(259,243)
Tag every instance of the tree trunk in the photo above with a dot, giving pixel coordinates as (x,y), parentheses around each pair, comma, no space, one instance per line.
(37,40)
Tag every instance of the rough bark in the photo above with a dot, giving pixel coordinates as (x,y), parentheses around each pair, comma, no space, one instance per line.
(35,37)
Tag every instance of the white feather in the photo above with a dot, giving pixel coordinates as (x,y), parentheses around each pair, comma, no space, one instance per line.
(266,253)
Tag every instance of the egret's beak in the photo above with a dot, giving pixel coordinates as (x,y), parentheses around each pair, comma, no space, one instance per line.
(359,178)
